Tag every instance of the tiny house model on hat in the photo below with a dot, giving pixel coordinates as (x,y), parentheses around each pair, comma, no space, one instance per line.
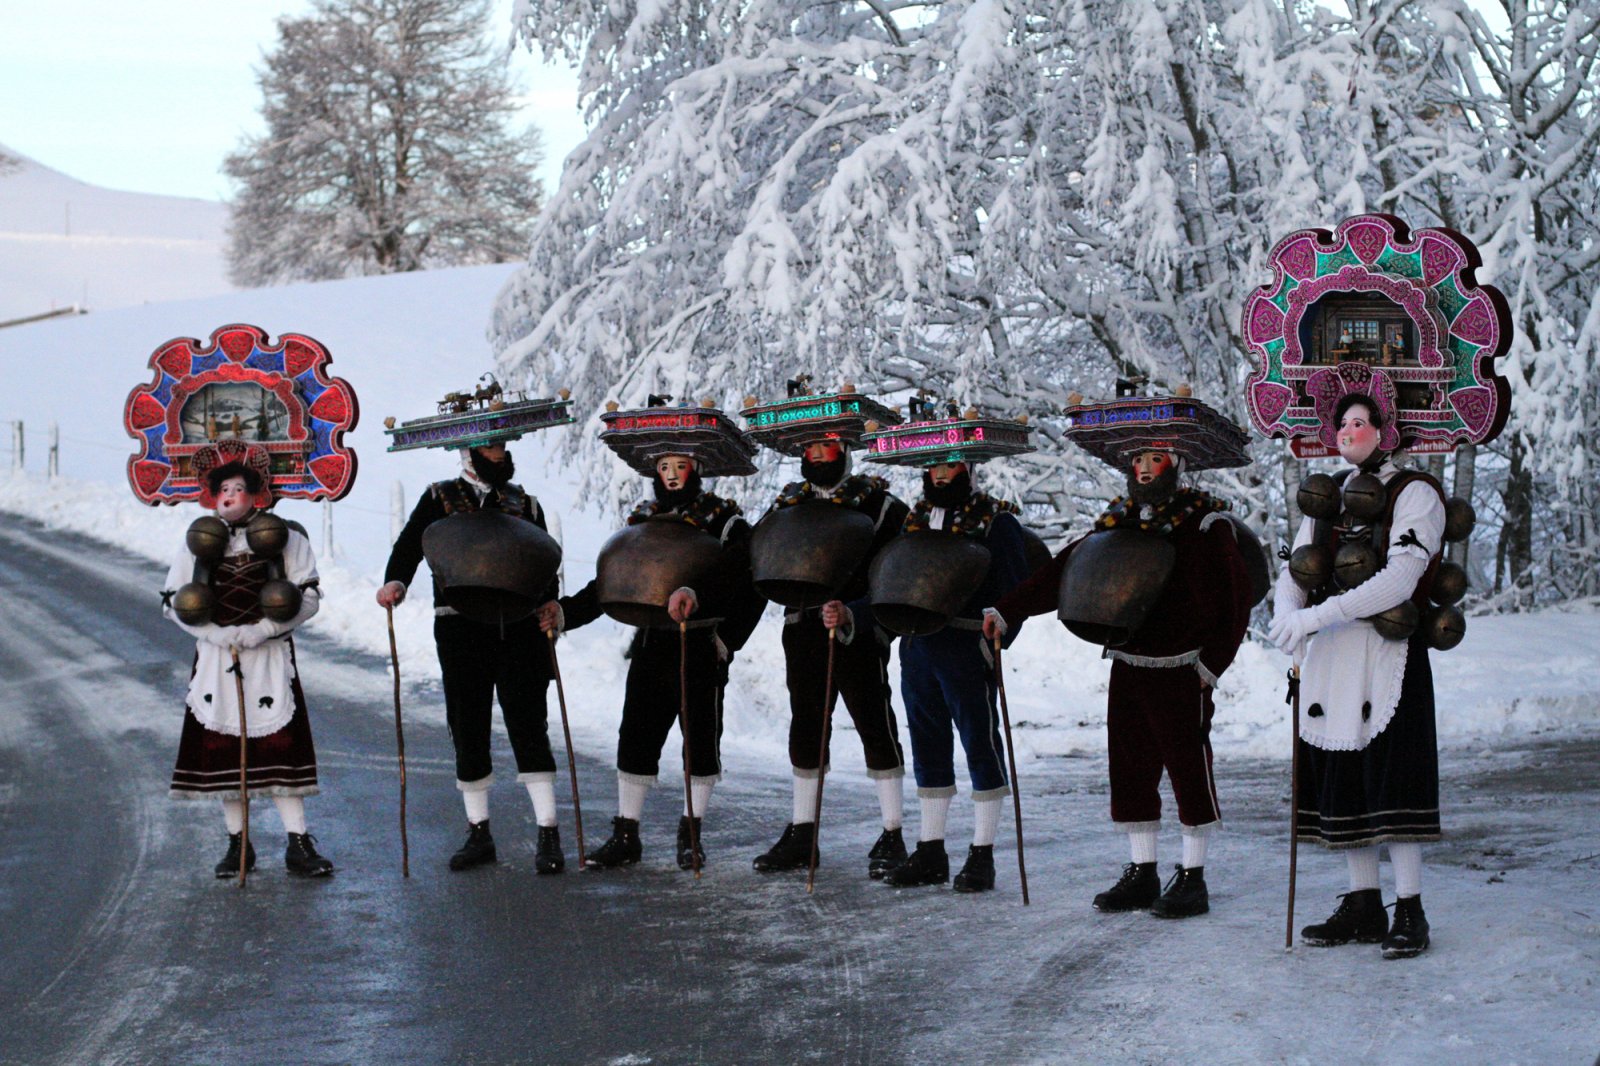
(1164,582)
(960,549)
(1368,342)
(815,546)
(679,570)
(235,424)
(493,563)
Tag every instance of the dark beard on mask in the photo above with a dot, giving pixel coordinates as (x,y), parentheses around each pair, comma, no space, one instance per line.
(491,473)
(671,500)
(825,475)
(953,494)
(1162,488)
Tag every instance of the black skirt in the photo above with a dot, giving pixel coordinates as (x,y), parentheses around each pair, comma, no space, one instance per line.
(1387,791)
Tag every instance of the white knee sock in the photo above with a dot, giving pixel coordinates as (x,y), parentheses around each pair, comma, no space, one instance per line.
(891,801)
(1194,850)
(985,820)
(542,791)
(1363,868)
(477,802)
(631,792)
(233,814)
(700,789)
(935,810)
(1142,844)
(1407,862)
(292,809)
(805,800)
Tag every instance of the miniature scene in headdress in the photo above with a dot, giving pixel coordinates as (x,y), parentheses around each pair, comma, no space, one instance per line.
(938,433)
(239,387)
(478,417)
(808,414)
(704,433)
(1373,300)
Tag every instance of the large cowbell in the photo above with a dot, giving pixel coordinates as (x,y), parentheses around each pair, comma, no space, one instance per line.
(920,580)
(1255,560)
(641,566)
(490,566)
(1111,581)
(801,556)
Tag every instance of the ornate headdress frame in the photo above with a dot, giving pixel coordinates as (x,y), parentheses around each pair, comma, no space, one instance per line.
(1437,353)
(274,398)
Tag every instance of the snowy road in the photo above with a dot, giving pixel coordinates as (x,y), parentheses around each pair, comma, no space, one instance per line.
(117,946)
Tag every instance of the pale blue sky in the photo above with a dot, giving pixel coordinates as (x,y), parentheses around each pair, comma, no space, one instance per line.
(150,96)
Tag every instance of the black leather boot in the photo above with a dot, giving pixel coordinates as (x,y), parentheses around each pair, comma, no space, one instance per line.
(1408,935)
(1185,895)
(623,849)
(229,866)
(887,853)
(478,850)
(300,858)
(792,851)
(1135,890)
(977,874)
(691,848)
(547,857)
(928,865)
(1359,919)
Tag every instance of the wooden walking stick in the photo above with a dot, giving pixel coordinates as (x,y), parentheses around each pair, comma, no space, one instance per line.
(1294,804)
(244,792)
(822,757)
(400,743)
(683,728)
(1011,757)
(566,731)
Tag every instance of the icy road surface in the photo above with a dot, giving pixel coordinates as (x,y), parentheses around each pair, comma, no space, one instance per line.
(116,945)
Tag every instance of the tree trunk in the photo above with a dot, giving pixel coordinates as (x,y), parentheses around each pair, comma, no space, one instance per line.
(1465,475)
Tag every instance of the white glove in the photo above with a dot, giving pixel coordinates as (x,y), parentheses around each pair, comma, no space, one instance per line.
(1290,632)
(258,633)
(223,636)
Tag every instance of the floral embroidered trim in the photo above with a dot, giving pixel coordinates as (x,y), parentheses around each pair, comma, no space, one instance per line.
(972,518)
(1163,517)
(852,492)
(706,511)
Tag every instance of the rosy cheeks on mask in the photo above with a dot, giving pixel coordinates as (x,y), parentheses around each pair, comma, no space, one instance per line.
(1357,437)
(1147,466)
(674,470)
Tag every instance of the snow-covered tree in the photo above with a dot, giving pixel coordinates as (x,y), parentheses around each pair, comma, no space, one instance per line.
(1008,200)
(387,147)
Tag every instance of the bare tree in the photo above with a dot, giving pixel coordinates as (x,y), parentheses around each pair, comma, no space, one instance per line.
(387,147)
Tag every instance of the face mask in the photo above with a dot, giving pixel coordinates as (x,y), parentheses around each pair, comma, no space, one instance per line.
(1162,488)
(670,499)
(825,474)
(491,473)
(952,494)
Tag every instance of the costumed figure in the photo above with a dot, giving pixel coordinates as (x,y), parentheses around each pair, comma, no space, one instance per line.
(679,571)
(484,538)
(244,579)
(1352,605)
(1163,583)
(959,551)
(814,549)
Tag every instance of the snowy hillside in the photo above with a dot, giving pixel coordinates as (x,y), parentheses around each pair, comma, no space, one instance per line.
(64,242)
